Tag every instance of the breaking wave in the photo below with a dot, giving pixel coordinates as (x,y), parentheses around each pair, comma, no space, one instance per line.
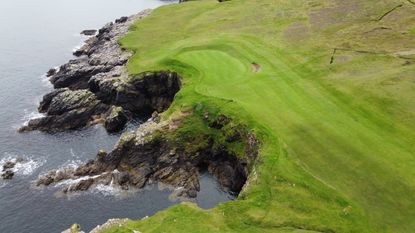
(25,165)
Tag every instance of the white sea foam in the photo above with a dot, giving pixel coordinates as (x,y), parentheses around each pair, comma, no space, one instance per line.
(45,81)
(100,189)
(107,190)
(70,182)
(25,167)
(113,190)
(26,118)
(81,42)
(73,163)
(30,115)
(77,47)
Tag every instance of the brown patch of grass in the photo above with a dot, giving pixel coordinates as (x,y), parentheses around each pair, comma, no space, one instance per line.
(256,67)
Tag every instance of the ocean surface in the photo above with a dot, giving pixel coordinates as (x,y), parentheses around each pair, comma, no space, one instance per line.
(36,35)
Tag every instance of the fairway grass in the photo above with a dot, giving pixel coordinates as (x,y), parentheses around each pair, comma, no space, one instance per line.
(338,140)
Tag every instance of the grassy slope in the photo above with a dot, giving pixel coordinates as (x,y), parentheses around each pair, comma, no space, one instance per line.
(338,149)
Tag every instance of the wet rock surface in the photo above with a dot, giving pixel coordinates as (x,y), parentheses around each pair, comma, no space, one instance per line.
(147,155)
(89,88)
(89,32)
(116,120)
(7,175)
(7,171)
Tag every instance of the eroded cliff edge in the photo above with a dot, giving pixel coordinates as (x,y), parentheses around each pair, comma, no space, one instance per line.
(96,88)
(165,151)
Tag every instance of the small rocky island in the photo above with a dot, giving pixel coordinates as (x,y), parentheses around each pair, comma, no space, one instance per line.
(96,88)
(8,168)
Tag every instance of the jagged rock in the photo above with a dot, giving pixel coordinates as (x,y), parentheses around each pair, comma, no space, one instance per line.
(63,174)
(92,88)
(143,93)
(89,32)
(101,155)
(76,73)
(9,165)
(97,86)
(7,170)
(156,117)
(121,20)
(72,109)
(46,179)
(51,72)
(7,175)
(222,170)
(103,54)
(148,155)
(116,120)
(89,43)
(82,185)
(66,109)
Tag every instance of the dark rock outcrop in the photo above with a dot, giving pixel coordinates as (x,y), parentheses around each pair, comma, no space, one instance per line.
(149,91)
(76,73)
(96,88)
(8,172)
(148,155)
(116,120)
(51,72)
(100,54)
(66,109)
(91,87)
(7,175)
(8,165)
(89,32)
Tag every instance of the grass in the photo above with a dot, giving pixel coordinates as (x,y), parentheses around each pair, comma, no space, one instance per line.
(338,141)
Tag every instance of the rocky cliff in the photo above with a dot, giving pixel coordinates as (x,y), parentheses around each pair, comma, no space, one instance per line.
(96,88)
(161,152)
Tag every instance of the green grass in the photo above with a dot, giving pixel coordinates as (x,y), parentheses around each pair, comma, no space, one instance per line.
(338,141)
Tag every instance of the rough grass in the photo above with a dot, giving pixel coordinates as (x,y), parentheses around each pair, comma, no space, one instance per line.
(338,152)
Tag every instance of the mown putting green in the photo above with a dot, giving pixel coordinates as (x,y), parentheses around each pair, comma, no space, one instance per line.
(338,141)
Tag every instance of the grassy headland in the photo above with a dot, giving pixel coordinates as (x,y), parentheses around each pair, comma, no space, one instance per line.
(329,88)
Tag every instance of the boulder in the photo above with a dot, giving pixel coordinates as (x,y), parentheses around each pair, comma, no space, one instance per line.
(51,72)
(82,185)
(116,119)
(9,165)
(89,32)
(46,179)
(7,175)
(121,20)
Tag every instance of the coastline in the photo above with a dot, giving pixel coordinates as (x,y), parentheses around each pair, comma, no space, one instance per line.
(74,102)
(95,88)
(260,111)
